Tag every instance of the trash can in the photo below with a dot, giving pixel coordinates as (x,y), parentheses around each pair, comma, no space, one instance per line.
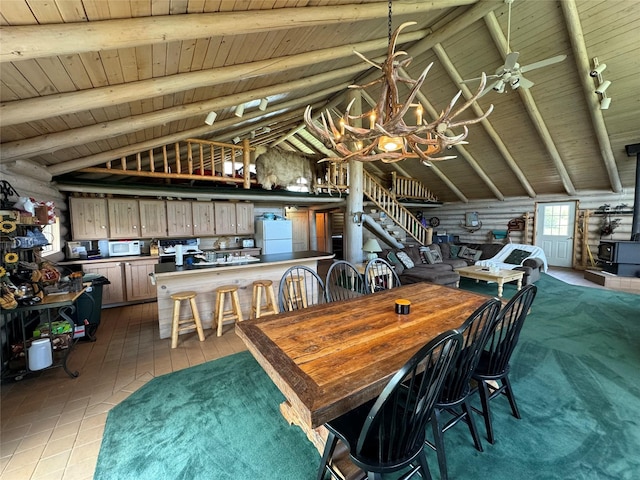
(89,305)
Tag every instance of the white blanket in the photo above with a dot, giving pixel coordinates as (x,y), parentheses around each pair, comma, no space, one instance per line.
(500,257)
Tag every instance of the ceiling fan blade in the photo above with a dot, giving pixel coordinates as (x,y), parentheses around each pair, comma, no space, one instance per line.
(491,87)
(511,60)
(543,63)
(524,83)
(471,80)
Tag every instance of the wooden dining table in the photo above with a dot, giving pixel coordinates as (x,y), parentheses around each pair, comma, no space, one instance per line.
(328,359)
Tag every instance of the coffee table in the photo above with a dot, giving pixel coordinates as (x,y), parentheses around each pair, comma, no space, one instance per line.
(501,276)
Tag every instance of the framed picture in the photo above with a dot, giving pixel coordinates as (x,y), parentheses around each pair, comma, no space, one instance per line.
(471,219)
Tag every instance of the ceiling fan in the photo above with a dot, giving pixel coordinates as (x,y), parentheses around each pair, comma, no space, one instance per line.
(510,74)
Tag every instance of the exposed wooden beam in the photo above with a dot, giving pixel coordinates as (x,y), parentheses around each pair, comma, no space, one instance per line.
(532,109)
(37,41)
(475,13)
(20,111)
(486,124)
(30,147)
(579,47)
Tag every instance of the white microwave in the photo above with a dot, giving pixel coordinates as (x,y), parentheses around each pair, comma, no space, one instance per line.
(124,248)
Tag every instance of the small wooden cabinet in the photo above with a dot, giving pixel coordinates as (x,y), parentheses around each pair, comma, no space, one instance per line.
(203,218)
(89,218)
(136,274)
(234,218)
(179,218)
(124,218)
(115,291)
(153,218)
(244,218)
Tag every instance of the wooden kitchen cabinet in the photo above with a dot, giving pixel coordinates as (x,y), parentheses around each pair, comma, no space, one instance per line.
(136,275)
(225,218)
(203,214)
(244,218)
(89,218)
(234,218)
(124,218)
(179,218)
(115,291)
(153,218)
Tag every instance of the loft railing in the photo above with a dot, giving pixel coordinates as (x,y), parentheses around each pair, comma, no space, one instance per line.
(409,188)
(191,159)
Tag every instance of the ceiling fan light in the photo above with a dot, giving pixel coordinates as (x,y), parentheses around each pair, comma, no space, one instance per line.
(390,144)
(603,86)
(604,103)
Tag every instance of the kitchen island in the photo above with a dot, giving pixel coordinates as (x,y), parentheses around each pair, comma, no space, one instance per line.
(204,279)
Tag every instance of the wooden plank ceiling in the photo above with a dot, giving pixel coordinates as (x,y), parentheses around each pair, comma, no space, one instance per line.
(87,81)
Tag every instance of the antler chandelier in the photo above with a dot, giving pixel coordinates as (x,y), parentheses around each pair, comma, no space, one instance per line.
(388,137)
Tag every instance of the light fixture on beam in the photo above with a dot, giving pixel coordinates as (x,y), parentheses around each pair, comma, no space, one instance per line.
(211,118)
(603,85)
(263,104)
(239,110)
(388,137)
(236,140)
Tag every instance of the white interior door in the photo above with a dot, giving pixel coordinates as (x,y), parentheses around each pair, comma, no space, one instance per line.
(554,231)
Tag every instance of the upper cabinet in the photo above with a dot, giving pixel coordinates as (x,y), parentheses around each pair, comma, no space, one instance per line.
(153,218)
(244,218)
(179,218)
(127,218)
(124,218)
(89,218)
(225,213)
(203,218)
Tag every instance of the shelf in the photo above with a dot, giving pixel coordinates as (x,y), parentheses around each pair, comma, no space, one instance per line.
(614,212)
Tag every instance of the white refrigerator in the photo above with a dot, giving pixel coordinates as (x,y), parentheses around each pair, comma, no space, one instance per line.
(274,236)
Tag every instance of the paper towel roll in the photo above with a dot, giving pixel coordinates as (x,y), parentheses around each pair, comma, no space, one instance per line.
(179,256)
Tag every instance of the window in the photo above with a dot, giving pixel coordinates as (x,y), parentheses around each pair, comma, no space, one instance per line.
(556,220)
(52,233)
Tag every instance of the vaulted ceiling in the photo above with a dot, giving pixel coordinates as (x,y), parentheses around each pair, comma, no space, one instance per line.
(88,81)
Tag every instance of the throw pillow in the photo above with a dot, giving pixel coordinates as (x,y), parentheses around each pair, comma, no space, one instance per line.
(516,257)
(406,261)
(470,254)
(454,250)
(393,260)
(414,254)
(433,256)
(445,250)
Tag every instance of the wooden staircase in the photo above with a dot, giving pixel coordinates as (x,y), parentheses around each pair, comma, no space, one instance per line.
(387,202)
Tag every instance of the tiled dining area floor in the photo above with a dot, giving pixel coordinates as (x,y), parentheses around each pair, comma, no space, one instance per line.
(52,425)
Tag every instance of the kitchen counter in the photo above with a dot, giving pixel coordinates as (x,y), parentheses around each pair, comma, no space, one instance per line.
(204,279)
(131,258)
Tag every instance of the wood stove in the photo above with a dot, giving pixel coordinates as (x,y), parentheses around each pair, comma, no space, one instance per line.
(620,257)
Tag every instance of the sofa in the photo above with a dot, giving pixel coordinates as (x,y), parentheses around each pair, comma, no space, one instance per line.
(412,266)
(527,258)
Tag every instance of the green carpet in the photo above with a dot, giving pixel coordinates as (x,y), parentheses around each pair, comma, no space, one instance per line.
(575,376)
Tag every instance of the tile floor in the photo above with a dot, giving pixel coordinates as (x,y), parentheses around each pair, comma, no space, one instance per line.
(52,425)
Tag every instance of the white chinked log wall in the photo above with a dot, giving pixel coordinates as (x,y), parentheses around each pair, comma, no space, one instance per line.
(495,215)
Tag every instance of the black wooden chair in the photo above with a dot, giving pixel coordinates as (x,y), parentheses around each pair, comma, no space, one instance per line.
(454,405)
(493,364)
(387,434)
(300,287)
(379,275)
(343,282)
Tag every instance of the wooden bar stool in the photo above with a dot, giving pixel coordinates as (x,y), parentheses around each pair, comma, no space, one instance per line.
(179,325)
(296,292)
(256,302)
(222,315)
